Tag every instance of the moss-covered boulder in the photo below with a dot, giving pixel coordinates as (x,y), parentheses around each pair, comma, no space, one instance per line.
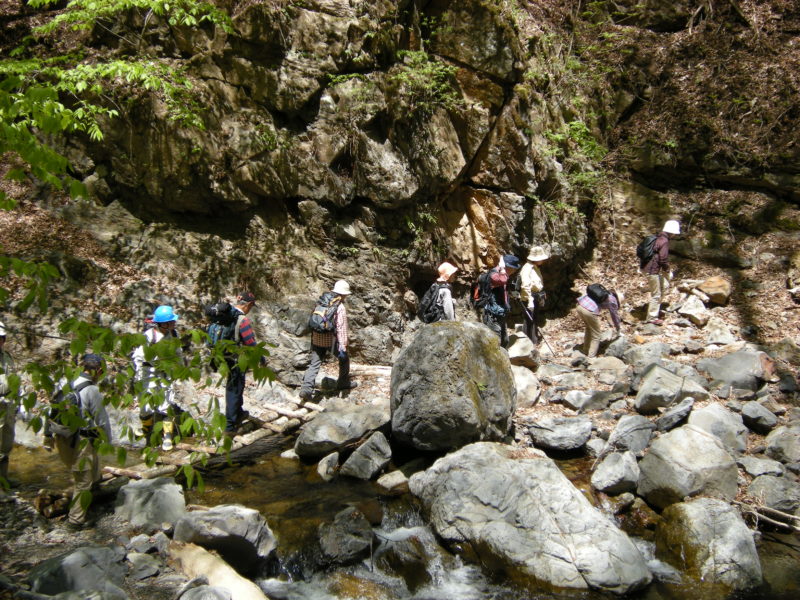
(452,386)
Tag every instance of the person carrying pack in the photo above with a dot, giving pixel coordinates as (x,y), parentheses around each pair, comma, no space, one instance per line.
(490,295)
(656,268)
(157,401)
(597,298)
(77,445)
(437,304)
(329,332)
(231,322)
(531,290)
(8,410)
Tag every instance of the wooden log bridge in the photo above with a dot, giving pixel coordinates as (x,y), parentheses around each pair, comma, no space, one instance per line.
(277,420)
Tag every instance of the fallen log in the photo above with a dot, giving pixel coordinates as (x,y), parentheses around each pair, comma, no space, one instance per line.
(371,370)
(195,561)
(292,414)
(759,513)
(120,472)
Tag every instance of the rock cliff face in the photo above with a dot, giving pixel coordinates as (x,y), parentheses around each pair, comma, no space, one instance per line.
(370,140)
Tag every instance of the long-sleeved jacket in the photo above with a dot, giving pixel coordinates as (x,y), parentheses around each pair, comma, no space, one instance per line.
(92,409)
(660,260)
(341,334)
(445,299)
(530,282)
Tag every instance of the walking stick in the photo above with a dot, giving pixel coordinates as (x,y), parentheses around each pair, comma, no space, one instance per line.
(539,331)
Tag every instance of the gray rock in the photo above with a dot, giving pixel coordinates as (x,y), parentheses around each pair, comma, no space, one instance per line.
(617,474)
(645,354)
(783,444)
(369,459)
(348,538)
(758,418)
(718,332)
(150,503)
(595,446)
(328,466)
(521,351)
(394,483)
(661,388)
(572,381)
(561,433)
(240,534)
(91,568)
(686,462)
(409,552)
(618,347)
(527,518)
(708,539)
(451,386)
(723,423)
(608,363)
(143,566)
(337,427)
(694,310)
(527,384)
(743,370)
(778,493)
(206,592)
(585,401)
(755,466)
(674,415)
(142,543)
(633,432)
(548,371)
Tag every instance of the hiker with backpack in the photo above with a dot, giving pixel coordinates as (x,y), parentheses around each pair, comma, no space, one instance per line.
(77,439)
(491,295)
(438,304)
(8,410)
(653,253)
(156,404)
(596,299)
(242,334)
(329,331)
(531,290)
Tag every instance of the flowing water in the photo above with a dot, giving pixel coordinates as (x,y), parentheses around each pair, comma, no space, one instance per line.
(295,501)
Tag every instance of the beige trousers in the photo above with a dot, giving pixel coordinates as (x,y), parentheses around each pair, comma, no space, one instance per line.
(8,417)
(591,335)
(81,458)
(657,285)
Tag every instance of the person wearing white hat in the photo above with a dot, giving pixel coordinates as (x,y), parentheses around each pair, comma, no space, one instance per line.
(437,304)
(531,290)
(336,341)
(657,270)
(8,409)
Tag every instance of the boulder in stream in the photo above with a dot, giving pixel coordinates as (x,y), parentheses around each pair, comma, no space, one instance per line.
(516,512)
(451,386)
(87,569)
(337,427)
(149,504)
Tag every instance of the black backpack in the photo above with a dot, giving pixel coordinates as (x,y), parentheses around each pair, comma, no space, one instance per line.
(223,317)
(65,415)
(481,292)
(430,310)
(322,318)
(645,250)
(597,292)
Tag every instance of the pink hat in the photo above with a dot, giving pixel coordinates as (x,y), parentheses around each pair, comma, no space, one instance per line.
(446,270)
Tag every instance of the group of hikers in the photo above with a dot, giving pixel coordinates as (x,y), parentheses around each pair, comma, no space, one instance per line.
(491,295)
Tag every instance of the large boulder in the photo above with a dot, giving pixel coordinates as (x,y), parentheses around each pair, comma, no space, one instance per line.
(561,433)
(744,370)
(758,418)
(369,459)
(151,504)
(633,432)
(718,289)
(723,423)
(521,516)
(451,386)
(779,493)
(240,534)
(783,444)
(708,539)
(616,474)
(88,569)
(347,538)
(338,427)
(660,388)
(686,462)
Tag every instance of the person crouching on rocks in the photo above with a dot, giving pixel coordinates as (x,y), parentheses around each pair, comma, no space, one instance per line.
(596,299)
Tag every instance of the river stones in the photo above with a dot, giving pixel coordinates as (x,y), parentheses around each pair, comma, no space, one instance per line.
(338,427)
(149,504)
(520,515)
(91,568)
(451,386)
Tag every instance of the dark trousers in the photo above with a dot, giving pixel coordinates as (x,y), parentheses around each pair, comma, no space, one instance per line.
(498,325)
(234,397)
(318,354)
(531,329)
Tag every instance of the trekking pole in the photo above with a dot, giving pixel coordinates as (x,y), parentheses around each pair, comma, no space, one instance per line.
(539,331)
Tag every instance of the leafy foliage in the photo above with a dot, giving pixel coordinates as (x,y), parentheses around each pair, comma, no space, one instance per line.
(424,84)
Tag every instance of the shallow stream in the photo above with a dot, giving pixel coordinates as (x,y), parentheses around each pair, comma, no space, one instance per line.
(295,501)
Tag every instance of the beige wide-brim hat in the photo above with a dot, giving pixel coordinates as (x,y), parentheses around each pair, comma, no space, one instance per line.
(2,329)
(446,270)
(538,253)
(342,288)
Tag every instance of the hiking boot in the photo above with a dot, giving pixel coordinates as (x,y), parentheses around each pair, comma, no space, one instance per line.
(656,321)
(242,417)
(306,395)
(166,443)
(347,386)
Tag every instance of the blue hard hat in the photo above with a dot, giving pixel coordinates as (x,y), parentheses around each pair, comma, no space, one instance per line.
(164,314)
